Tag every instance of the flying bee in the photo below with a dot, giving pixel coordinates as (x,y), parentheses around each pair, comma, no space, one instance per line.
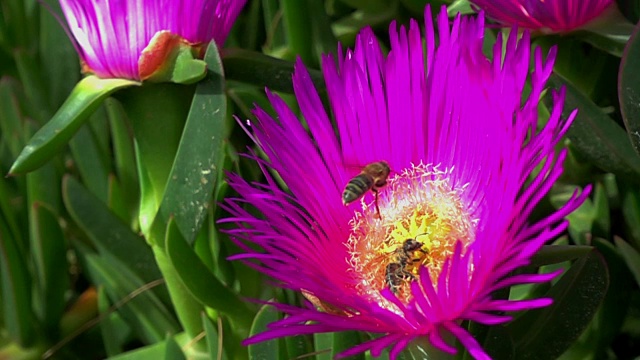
(396,272)
(372,177)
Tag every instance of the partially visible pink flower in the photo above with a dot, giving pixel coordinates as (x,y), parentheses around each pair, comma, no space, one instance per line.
(469,164)
(112,34)
(547,16)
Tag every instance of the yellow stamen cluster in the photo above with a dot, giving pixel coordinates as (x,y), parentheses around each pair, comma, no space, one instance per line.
(417,204)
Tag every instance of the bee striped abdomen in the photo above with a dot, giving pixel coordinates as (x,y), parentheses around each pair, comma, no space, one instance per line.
(356,188)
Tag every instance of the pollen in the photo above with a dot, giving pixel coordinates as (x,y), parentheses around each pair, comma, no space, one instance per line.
(422,217)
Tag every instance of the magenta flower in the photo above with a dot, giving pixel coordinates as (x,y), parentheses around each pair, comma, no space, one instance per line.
(550,16)
(114,36)
(453,225)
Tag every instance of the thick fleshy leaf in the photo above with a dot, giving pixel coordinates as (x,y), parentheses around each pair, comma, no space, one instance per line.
(596,135)
(199,280)
(157,113)
(173,351)
(90,163)
(630,256)
(554,254)
(611,37)
(16,290)
(124,162)
(214,340)
(547,333)
(631,212)
(86,96)
(200,153)
(144,311)
(298,346)
(322,343)
(342,341)
(153,351)
(296,18)
(110,338)
(499,344)
(266,349)
(629,89)
(49,254)
(108,233)
(60,65)
(262,70)
(594,343)
(10,117)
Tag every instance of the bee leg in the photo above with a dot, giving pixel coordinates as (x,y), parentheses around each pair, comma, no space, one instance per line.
(375,192)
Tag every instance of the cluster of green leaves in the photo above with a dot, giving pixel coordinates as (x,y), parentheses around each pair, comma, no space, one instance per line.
(109,245)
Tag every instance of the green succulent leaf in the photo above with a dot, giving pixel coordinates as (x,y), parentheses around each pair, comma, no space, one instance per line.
(548,332)
(263,70)
(629,89)
(267,349)
(85,98)
(596,135)
(200,153)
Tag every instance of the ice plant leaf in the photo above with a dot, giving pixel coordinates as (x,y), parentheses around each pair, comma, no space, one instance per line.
(85,98)
(107,232)
(200,281)
(200,152)
(630,256)
(629,89)
(547,333)
(49,254)
(268,349)
(554,254)
(262,70)
(150,319)
(597,136)
(214,339)
(16,290)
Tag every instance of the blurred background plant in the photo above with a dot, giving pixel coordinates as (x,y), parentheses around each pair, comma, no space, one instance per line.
(83,276)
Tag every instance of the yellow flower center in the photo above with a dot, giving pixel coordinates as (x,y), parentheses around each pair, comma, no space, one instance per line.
(422,218)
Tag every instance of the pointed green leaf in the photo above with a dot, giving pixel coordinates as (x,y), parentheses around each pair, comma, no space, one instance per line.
(60,65)
(629,89)
(546,333)
(596,135)
(262,70)
(345,340)
(11,117)
(153,351)
(144,311)
(322,343)
(554,254)
(157,113)
(16,290)
(124,160)
(107,232)
(266,350)
(204,286)
(630,256)
(200,153)
(91,165)
(214,340)
(112,344)
(49,254)
(85,98)
(172,351)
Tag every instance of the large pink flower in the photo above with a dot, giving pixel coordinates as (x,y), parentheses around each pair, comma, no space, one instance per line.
(549,16)
(461,144)
(112,34)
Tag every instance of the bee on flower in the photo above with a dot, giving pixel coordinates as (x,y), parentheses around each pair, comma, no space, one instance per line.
(453,213)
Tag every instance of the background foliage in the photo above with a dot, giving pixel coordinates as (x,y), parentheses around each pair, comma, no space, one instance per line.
(79,281)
